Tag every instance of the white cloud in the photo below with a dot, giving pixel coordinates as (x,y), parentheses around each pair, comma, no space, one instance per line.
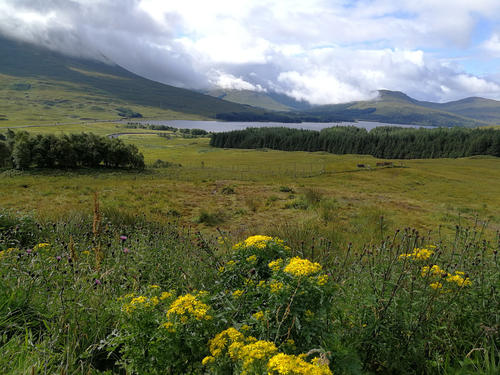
(322,51)
(230,82)
(492,45)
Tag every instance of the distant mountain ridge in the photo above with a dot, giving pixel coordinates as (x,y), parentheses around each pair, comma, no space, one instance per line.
(389,107)
(38,85)
(397,107)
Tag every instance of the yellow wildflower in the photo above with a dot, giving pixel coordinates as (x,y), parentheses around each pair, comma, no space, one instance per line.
(154,286)
(6,252)
(433,270)
(258,241)
(275,265)
(275,286)
(284,364)
(322,280)
(302,267)
(252,259)
(135,303)
(245,327)
(86,252)
(459,279)
(237,293)
(41,245)
(207,360)
(223,340)
(165,295)
(256,351)
(189,305)
(418,254)
(259,315)
(169,326)
(436,285)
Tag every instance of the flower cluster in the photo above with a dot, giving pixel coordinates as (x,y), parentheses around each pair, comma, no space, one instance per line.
(458,278)
(284,364)
(187,306)
(41,246)
(138,302)
(302,267)
(418,254)
(257,241)
(259,356)
(7,252)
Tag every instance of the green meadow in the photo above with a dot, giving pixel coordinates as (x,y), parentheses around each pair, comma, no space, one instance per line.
(233,261)
(247,191)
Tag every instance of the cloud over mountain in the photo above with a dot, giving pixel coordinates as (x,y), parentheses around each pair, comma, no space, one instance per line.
(319,51)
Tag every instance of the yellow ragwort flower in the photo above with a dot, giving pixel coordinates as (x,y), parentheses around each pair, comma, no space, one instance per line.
(302,267)
(252,259)
(259,315)
(223,340)
(165,295)
(207,360)
(275,286)
(322,280)
(255,351)
(418,254)
(189,305)
(237,293)
(284,364)
(275,265)
(459,279)
(436,285)
(434,270)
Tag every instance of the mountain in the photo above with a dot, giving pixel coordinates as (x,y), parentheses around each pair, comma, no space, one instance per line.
(398,108)
(38,85)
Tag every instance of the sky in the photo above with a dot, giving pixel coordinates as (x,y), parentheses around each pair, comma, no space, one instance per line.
(319,51)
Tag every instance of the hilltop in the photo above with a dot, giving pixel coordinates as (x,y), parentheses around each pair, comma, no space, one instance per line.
(39,85)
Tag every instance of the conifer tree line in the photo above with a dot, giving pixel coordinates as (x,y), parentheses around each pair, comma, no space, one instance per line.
(381,142)
(22,150)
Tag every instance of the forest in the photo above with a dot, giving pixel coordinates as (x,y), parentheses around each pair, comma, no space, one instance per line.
(381,142)
(22,150)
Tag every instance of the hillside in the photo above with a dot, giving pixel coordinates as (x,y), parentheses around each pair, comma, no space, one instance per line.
(397,107)
(270,100)
(37,85)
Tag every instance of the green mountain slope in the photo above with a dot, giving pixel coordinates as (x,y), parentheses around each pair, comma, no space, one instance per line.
(474,107)
(270,100)
(38,85)
(397,107)
(253,98)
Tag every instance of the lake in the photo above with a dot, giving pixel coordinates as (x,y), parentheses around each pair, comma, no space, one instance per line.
(221,126)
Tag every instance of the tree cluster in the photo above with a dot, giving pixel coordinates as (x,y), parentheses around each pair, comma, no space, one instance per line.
(22,150)
(381,142)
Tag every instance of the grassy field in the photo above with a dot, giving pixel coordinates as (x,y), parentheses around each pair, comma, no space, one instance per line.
(374,270)
(247,191)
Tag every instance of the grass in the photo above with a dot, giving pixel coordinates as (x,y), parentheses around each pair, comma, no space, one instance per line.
(420,193)
(59,305)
